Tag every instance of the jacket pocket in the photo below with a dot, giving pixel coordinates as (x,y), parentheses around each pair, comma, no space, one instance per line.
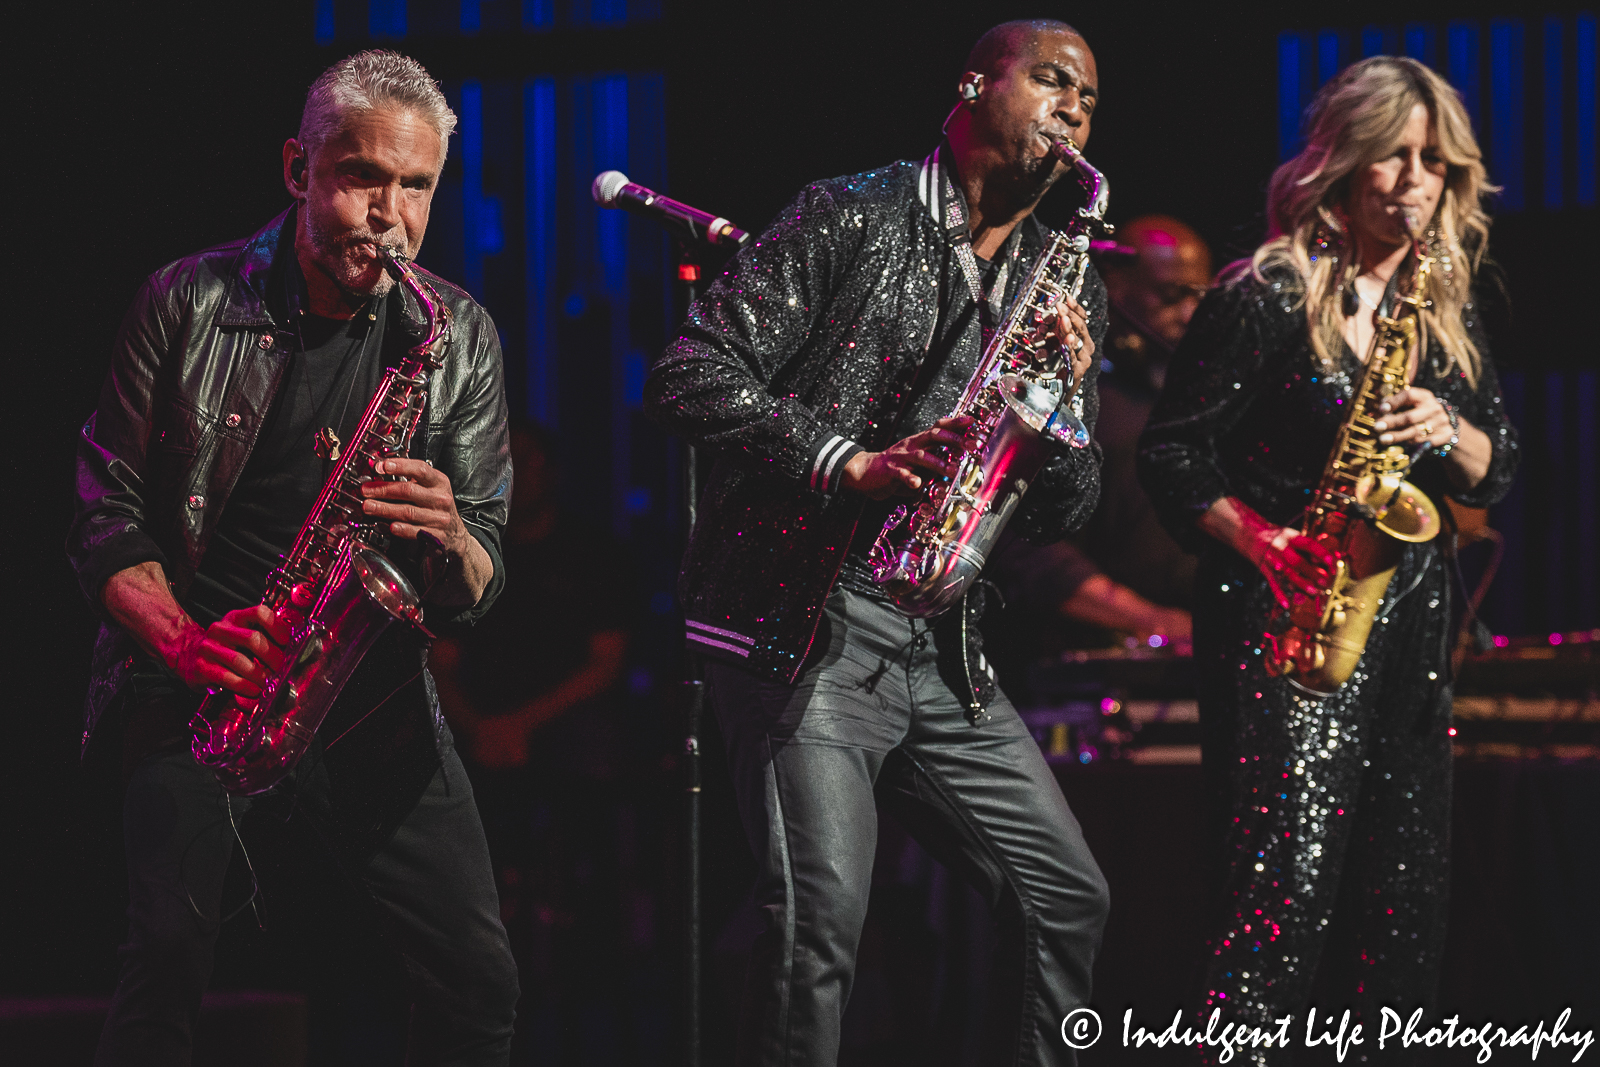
(180,432)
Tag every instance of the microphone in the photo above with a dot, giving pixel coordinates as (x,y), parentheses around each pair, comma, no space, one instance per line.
(613,189)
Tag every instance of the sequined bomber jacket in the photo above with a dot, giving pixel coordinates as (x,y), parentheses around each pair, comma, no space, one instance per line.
(798,357)
(193,372)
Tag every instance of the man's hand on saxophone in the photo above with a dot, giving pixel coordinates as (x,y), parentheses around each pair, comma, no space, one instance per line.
(423,500)
(234,653)
(1068,329)
(238,652)
(893,472)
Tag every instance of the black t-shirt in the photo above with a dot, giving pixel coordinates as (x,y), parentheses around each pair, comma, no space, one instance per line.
(332,374)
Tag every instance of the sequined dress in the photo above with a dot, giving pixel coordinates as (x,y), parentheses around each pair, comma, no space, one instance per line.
(1331,816)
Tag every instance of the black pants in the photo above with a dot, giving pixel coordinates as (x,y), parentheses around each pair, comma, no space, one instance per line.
(872,721)
(1330,816)
(431,882)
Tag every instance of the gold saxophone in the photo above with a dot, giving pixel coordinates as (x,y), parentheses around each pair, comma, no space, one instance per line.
(1364,511)
(335,588)
(1017,401)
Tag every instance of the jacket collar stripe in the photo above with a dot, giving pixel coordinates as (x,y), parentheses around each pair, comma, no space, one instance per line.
(928,180)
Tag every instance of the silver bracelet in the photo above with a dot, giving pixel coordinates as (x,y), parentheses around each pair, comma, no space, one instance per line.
(1455,428)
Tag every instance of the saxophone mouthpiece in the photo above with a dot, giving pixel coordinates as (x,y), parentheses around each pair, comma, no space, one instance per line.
(394,261)
(1066,150)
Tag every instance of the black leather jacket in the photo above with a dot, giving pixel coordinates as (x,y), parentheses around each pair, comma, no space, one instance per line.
(196,364)
(800,356)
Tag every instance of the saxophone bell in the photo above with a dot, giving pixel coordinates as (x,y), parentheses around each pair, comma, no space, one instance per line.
(1040,408)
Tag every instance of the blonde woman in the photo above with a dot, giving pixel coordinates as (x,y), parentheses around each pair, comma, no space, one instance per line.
(1333,814)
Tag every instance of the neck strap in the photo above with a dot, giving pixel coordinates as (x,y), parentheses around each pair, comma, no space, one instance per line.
(952,216)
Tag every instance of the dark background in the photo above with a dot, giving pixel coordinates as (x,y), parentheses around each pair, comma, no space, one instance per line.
(149,131)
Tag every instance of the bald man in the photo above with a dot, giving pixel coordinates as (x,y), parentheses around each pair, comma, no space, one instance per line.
(1156,275)
(1122,574)
(821,369)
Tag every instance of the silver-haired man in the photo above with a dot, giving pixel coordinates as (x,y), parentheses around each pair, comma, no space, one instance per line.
(236,373)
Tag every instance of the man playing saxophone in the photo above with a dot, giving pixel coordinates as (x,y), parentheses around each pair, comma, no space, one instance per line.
(820,369)
(238,375)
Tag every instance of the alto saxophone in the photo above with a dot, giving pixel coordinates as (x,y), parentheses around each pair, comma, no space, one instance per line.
(1364,512)
(1018,403)
(335,588)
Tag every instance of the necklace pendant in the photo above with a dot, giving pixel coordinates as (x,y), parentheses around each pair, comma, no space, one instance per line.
(327,443)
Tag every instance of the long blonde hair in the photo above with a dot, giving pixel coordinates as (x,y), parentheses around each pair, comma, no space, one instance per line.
(1355,119)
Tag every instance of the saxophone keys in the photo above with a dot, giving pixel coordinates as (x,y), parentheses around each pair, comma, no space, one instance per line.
(311,651)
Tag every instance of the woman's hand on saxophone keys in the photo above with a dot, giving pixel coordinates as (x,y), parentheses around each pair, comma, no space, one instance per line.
(1412,416)
(1291,562)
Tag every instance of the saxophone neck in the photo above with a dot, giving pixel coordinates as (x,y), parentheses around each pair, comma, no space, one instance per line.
(1090,219)
(1417,299)
(1413,300)
(439,318)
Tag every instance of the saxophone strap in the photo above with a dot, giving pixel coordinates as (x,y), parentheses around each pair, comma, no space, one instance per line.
(953,215)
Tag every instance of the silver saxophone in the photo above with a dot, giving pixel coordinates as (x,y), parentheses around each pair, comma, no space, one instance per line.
(1019,403)
(336,589)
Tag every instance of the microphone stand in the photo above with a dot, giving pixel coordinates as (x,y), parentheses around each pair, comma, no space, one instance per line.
(690,273)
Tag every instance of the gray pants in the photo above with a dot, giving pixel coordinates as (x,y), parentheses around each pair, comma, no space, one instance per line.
(872,721)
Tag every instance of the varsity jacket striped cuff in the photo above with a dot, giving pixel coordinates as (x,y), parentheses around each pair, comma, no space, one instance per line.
(717,642)
(828,460)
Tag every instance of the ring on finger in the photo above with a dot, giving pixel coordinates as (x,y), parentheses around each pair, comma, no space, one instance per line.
(1427,429)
